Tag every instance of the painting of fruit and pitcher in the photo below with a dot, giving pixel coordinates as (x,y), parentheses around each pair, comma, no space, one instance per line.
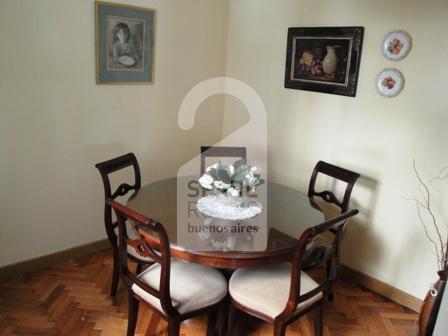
(324,59)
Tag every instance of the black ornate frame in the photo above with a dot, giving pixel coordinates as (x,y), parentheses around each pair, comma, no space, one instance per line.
(299,39)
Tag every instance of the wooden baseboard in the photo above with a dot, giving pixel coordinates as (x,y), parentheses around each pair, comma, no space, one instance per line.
(382,288)
(38,263)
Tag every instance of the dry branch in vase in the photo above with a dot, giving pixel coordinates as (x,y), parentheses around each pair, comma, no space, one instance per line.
(433,227)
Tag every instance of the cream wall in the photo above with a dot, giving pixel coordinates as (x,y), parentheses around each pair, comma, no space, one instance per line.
(56,123)
(375,136)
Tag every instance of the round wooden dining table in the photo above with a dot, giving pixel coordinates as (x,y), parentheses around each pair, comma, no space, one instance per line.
(286,213)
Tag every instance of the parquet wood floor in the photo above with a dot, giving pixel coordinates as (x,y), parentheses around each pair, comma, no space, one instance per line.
(72,299)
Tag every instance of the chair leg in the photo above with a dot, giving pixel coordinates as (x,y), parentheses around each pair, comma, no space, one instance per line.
(222,318)
(211,323)
(318,321)
(132,314)
(279,329)
(173,328)
(230,319)
(330,294)
(115,275)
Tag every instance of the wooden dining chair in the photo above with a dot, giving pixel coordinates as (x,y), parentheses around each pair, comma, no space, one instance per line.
(280,294)
(320,250)
(106,168)
(338,173)
(223,152)
(174,289)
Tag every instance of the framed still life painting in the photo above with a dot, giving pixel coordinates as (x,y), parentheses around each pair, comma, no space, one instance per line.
(324,59)
(124,44)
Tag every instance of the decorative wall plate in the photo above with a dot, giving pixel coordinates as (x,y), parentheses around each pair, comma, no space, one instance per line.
(390,82)
(396,45)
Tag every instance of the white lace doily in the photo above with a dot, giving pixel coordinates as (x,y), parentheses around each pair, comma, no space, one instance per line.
(212,206)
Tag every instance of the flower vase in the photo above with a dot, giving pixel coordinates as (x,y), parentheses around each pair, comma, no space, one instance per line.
(431,305)
(228,200)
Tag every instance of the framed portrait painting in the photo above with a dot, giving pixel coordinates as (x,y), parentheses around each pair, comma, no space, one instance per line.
(124,44)
(324,59)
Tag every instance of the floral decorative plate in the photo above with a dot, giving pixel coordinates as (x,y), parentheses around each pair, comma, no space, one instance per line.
(390,82)
(396,45)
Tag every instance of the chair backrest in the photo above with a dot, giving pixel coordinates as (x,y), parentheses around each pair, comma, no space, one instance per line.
(108,167)
(336,225)
(337,173)
(152,241)
(221,151)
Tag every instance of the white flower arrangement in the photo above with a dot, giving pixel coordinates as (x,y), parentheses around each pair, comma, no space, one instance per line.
(231,179)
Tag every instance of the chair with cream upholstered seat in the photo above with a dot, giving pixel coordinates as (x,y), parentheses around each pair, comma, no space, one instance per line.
(338,173)
(319,254)
(174,289)
(107,168)
(280,294)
